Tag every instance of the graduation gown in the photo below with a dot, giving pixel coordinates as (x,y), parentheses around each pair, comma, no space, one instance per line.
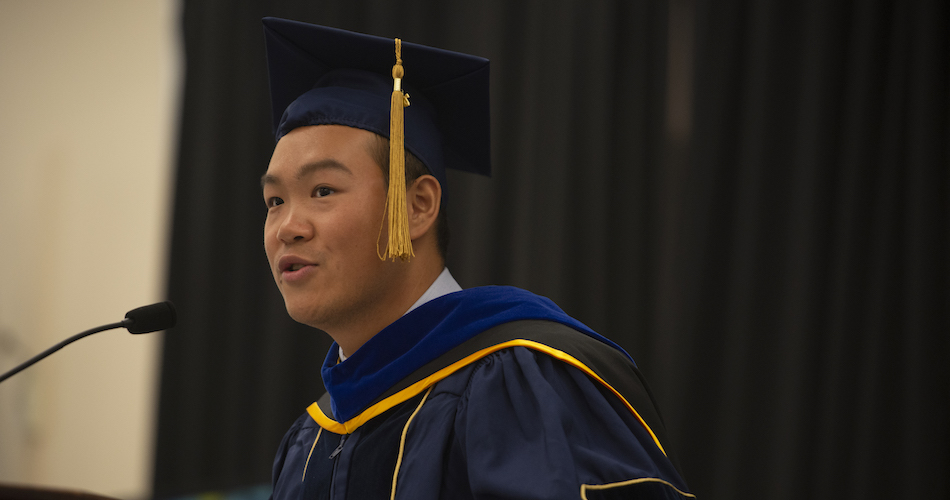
(489,392)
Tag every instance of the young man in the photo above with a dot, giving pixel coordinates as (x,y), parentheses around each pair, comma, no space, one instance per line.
(433,392)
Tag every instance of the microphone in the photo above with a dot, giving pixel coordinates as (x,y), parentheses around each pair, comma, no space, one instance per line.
(150,318)
(145,319)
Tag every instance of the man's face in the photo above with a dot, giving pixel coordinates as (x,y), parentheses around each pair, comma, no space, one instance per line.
(325,197)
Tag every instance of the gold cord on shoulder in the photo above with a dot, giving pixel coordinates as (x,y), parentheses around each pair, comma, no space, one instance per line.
(402,442)
(304,476)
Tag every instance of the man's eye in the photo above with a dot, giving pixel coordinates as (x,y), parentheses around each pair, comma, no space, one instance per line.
(321,191)
(273,201)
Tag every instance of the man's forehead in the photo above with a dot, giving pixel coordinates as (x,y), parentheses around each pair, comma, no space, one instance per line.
(276,176)
(320,148)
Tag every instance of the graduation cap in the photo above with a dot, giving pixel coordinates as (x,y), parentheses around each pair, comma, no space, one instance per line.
(322,76)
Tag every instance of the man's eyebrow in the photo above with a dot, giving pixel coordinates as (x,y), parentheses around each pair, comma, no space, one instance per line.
(307,169)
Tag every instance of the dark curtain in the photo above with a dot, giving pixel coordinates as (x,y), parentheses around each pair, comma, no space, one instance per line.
(750,197)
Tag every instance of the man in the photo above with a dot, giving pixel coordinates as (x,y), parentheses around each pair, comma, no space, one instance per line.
(433,391)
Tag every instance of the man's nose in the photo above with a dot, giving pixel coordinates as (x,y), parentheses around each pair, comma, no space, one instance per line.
(296,227)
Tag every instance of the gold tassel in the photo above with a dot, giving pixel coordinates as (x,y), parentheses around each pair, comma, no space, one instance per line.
(400,243)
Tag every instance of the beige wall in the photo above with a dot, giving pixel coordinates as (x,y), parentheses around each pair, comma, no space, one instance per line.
(88,95)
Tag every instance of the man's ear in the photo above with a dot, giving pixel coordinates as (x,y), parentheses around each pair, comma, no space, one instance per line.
(423,199)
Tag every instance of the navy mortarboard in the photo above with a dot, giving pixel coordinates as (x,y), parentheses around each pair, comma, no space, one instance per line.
(323,76)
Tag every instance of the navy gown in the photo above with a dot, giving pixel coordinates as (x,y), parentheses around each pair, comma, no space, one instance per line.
(487,393)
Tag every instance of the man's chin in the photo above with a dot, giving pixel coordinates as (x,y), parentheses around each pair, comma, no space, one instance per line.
(301,313)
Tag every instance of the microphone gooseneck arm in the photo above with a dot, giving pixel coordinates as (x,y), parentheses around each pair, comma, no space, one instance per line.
(145,319)
(59,346)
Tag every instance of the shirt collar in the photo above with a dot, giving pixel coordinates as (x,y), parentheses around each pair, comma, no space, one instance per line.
(443,285)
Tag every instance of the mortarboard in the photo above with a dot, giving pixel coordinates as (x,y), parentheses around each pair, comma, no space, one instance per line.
(320,76)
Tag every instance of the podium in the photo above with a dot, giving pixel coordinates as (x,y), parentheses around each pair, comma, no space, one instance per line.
(23,492)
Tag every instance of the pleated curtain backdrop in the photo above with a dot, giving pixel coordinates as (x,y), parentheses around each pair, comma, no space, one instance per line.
(749,197)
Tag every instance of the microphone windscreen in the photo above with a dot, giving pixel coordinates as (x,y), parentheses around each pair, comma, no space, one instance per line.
(151,318)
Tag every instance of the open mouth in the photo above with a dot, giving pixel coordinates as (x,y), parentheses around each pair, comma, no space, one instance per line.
(293,264)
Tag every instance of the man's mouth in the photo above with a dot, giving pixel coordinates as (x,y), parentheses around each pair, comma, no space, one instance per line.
(296,272)
(292,264)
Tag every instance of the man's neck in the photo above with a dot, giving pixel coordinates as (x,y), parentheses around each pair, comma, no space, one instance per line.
(444,284)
